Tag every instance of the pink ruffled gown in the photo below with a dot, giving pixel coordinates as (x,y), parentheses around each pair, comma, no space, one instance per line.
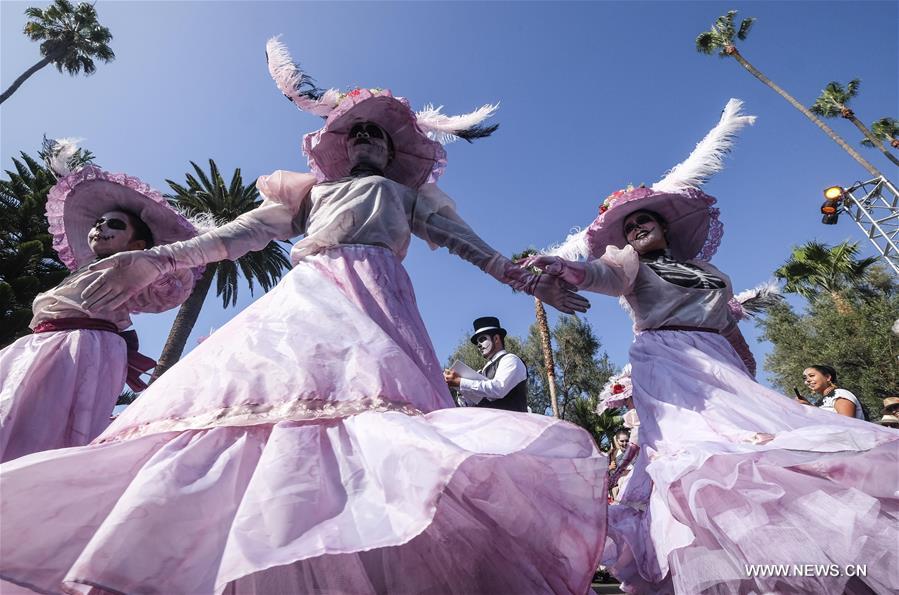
(58,389)
(310,445)
(735,473)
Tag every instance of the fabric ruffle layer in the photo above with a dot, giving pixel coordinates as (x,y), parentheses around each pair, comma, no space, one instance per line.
(453,501)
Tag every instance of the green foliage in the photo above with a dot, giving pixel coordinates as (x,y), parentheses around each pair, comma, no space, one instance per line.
(884,129)
(852,303)
(815,268)
(28,263)
(857,342)
(71,36)
(127,397)
(721,36)
(210,197)
(601,426)
(835,98)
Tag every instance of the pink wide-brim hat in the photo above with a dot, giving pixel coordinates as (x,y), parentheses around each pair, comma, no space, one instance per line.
(417,158)
(76,202)
(694,231)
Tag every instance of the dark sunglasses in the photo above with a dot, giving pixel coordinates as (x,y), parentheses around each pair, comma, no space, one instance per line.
(638,221)
(366,130)
(111,223)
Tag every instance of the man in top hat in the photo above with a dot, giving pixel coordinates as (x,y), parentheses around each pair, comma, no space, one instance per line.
(507,377)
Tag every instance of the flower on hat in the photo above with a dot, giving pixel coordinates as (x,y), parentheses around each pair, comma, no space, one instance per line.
(357,92)
(617,390)
(610,200)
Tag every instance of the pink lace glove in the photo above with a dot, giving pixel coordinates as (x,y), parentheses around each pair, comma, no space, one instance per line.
(119,278)
(572,273)
(549,289)
(122,276)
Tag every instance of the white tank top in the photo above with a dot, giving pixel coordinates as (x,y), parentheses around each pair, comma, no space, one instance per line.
(842,393)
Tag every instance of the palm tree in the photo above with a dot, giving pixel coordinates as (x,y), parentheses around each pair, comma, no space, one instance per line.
(602,426)
(209,196)
(814,268)
(28,263)
(545,341)
(72,38)
(885,129)
(834,101)
(721,37)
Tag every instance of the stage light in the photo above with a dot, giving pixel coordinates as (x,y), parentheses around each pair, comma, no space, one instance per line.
(834,193)
(831,207)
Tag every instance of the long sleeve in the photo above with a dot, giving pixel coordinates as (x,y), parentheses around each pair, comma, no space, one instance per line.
(509,373)
(277,218)
(613,273)
(435,220)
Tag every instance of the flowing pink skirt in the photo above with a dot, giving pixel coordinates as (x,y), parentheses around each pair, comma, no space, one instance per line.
(307,450)
(58,389)
(741,475)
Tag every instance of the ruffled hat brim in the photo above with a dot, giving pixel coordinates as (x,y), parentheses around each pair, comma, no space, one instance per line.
(417,159)
(76,202)
(694,231)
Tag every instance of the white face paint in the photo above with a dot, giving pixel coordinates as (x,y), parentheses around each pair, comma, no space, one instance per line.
(644,233)
(367,145)
(485,344)
(111,234)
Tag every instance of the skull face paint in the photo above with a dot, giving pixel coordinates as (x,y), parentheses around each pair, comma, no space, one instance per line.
(484,343)
(112,233)
(368,144)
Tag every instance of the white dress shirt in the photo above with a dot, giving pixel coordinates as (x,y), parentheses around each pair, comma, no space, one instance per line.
(509,372)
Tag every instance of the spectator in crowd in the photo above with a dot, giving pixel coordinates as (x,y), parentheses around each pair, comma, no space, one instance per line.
(822,380)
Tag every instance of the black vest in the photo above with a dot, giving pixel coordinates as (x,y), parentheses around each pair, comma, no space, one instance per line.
(515,400)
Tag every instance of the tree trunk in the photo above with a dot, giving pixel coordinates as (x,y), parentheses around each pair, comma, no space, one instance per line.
(877,142)
(548,362)
(184,324)
(24,76)
(817,121)
(842,306)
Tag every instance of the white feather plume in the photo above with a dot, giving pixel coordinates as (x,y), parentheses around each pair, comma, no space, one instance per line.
(202,222)
(708,156)
(758,299)
(573,248)
(288,77)
(443,128)
(60,155)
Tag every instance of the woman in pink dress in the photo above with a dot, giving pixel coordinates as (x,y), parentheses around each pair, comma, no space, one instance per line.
(311,445)
(741,475)
(58,386)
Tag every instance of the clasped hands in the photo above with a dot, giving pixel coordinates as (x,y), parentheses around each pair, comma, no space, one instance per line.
(557,285)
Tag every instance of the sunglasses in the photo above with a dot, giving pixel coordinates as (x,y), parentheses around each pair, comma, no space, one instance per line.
(366,130)
(111,223)
(637,222)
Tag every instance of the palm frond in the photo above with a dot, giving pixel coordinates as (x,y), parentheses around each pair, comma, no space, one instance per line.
(745,26)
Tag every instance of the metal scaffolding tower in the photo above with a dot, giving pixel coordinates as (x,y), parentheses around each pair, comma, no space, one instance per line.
(874,206)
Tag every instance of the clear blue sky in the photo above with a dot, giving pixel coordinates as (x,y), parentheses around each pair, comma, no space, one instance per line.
(594,95)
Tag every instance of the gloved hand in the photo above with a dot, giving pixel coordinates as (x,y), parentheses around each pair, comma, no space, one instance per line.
(121,277)
(549,289)
(559,294)
(572,273)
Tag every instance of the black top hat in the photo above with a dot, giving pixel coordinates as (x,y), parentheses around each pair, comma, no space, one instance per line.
(487,324)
